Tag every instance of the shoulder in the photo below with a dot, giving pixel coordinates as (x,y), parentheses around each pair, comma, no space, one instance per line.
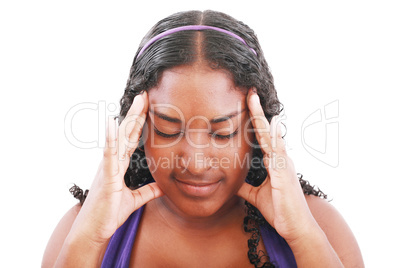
(59,235)
(337,231)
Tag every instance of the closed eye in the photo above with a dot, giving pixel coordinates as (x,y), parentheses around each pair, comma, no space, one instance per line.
(223,137)
(164,135)
(214,135)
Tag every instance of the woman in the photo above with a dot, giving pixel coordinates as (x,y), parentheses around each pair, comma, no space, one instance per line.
(196,174)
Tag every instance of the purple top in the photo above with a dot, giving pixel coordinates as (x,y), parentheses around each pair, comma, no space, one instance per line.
(118,251)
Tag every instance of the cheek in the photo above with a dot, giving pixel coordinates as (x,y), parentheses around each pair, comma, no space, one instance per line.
(235,160)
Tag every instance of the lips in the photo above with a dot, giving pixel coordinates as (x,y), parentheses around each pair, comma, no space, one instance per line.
(198,188)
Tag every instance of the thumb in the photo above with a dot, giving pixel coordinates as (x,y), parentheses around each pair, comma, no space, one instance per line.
(145,194)
(247,192)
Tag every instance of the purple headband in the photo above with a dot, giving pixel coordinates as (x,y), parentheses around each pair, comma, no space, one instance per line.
(192,28)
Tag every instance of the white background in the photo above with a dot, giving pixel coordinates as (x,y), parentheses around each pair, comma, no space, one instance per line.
(55,55)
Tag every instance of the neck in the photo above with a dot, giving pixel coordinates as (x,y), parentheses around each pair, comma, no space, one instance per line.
(230,214)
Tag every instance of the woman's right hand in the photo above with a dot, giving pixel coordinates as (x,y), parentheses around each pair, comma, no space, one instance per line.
(110,202)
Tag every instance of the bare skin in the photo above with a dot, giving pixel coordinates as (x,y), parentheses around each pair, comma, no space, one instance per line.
(194,213)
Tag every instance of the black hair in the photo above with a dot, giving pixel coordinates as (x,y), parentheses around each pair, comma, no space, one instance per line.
(220,51)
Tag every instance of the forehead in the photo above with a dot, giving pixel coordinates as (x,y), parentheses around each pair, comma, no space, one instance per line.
(197,90)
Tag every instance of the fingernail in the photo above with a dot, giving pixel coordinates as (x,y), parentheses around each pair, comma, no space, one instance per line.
(256,95)
(136,97)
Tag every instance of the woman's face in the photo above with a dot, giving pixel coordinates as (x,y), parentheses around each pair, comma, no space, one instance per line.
(198,139)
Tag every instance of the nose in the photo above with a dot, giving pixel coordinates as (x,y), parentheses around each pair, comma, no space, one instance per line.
(195,153)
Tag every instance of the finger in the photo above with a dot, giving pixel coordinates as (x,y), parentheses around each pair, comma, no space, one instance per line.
(277,142)
(250,193)
(260,122)
(246,192)
(111,167)
(132,143)
(133,121)
(136,132)
(145,194)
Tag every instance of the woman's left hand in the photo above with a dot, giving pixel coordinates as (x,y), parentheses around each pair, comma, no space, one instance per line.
(279,198)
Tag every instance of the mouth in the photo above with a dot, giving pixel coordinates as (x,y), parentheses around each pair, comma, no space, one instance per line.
(197,189)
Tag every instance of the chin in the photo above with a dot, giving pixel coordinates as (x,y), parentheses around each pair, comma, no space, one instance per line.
(200,209)
(195,207)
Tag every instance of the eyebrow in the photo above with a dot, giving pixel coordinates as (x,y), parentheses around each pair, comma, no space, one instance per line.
(212,121)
